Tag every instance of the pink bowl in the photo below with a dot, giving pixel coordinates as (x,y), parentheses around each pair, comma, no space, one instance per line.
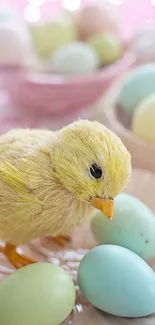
(55,94)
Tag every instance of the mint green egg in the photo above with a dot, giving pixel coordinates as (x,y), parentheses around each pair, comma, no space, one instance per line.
(132,226)
(138,84)
(117,281)
(38,294)
(74,59)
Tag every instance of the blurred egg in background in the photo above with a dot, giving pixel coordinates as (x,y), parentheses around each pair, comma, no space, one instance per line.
(76,58)
(143,44)
(8,14)
(143,120)
(108,47)
(50,35)
(95,18)
(57,50)
(138,84)
(16,48)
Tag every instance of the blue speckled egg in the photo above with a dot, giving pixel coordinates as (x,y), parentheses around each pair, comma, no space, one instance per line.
(75,58)
(132,226)
(117,281)
(138,84)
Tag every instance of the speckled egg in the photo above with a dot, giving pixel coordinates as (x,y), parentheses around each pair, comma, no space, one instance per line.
(143,120)
(132,226)
(117,281)
(137,85)
(50,35)
(108,46)
(75,58)
(96,17)
(37,294)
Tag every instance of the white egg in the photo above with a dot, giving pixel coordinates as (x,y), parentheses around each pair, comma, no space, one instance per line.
(143,44)
(15,44)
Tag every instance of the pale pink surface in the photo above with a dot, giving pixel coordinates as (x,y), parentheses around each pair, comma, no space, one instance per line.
(45,93)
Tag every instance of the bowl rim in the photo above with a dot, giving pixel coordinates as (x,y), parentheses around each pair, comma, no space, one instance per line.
(44,78)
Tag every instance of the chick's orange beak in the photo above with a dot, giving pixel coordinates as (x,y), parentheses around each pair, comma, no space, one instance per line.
(106,206)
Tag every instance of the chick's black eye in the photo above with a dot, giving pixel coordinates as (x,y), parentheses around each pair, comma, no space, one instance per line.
(95,171)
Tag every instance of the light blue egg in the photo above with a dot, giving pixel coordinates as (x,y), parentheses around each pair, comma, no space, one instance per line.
(8,14)
(73,59)
(132,226)
(139,84)
(117,281)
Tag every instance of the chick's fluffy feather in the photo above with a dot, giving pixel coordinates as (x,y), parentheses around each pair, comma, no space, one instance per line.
(45,186)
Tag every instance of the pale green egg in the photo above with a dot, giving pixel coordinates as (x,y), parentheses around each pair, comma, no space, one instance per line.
(73,59)
(108,46)
(137,85)
(38,294)
(117,281)
(132,226)
(143,119)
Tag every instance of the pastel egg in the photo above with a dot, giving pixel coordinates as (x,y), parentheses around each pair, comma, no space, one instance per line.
(108,46)
(143,120)
(132,226)
(15,44)
(38,294)
(137,85)
(75,58)
(4,16)
(8,13)
(95,18)
(50,35)
(143,44)
(117,281)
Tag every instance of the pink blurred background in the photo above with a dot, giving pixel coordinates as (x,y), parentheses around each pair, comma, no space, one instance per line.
(134,13)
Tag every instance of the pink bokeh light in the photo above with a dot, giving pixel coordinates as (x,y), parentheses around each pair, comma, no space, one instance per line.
(134,13)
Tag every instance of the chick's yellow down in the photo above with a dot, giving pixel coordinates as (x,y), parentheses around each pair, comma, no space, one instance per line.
(49,180)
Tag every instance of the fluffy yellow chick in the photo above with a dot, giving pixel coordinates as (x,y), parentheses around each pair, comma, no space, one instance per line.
(50,182)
